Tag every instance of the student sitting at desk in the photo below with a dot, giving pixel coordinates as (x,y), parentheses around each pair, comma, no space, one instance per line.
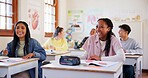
(92,32)
(130,46)
(104,45)
(26,47)
(58,42)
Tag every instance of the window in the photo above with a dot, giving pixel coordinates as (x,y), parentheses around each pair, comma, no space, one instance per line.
(50,17)
(8,16)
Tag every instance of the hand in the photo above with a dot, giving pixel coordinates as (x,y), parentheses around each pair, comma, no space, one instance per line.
(5,52)
(52,47)
(94,57)
(28,56)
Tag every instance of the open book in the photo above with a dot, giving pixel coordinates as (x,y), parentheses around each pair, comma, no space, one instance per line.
(99,63)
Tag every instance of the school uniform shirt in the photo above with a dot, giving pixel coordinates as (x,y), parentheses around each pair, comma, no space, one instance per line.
(131,46)
(94,46)
(60,45)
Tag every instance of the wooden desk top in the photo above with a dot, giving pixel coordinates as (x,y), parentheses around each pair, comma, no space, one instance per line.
(15,61)
(84,68)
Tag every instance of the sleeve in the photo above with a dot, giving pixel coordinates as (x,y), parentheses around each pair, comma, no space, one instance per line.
(119,56)
(9,49)
(46,45)
(86,47)
(39,51)
(136,48)
(64,46)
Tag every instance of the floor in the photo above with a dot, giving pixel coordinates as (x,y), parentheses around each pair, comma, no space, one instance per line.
(145,74)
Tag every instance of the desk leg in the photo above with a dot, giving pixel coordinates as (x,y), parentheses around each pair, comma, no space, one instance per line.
(121,76)
(36,70)
(136,74)
(139,68)
(43,74)
(8,75)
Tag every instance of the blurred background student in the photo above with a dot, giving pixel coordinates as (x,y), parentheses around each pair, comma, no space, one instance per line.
(130,46)
(26,47)
(92,32)
(104,45)
(57,42)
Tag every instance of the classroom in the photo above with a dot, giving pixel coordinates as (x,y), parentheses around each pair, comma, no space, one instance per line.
(77,18)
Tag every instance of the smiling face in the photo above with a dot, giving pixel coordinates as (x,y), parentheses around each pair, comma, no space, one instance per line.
(21,31)
(103,29)
(123,33)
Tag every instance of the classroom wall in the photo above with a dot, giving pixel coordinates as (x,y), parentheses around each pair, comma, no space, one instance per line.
(111,9)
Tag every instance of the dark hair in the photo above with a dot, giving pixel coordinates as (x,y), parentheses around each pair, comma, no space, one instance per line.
(125,27)
(96,26)
(16,38)
(58,30)
(110,33)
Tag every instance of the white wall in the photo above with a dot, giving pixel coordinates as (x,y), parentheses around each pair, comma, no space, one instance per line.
(111,8)
(63,13)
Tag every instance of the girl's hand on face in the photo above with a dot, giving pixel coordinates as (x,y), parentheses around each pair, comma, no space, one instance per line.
(28,56)
(94,57)
(5,52)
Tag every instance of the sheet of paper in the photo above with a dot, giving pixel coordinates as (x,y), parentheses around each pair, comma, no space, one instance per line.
(12,60)
(3,57)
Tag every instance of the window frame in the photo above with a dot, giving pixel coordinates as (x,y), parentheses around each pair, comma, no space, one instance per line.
(9,33)
(56,4)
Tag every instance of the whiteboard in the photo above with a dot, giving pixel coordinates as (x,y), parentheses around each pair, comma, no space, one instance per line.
(136,30)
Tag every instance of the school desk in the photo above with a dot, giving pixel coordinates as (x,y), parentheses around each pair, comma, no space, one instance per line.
(14,65)
(55,70)
(135,59)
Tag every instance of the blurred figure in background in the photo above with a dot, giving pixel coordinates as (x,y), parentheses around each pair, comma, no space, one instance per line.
(57,42)
(92,32)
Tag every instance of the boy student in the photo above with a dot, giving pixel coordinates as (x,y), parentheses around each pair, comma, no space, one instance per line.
(130,46)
